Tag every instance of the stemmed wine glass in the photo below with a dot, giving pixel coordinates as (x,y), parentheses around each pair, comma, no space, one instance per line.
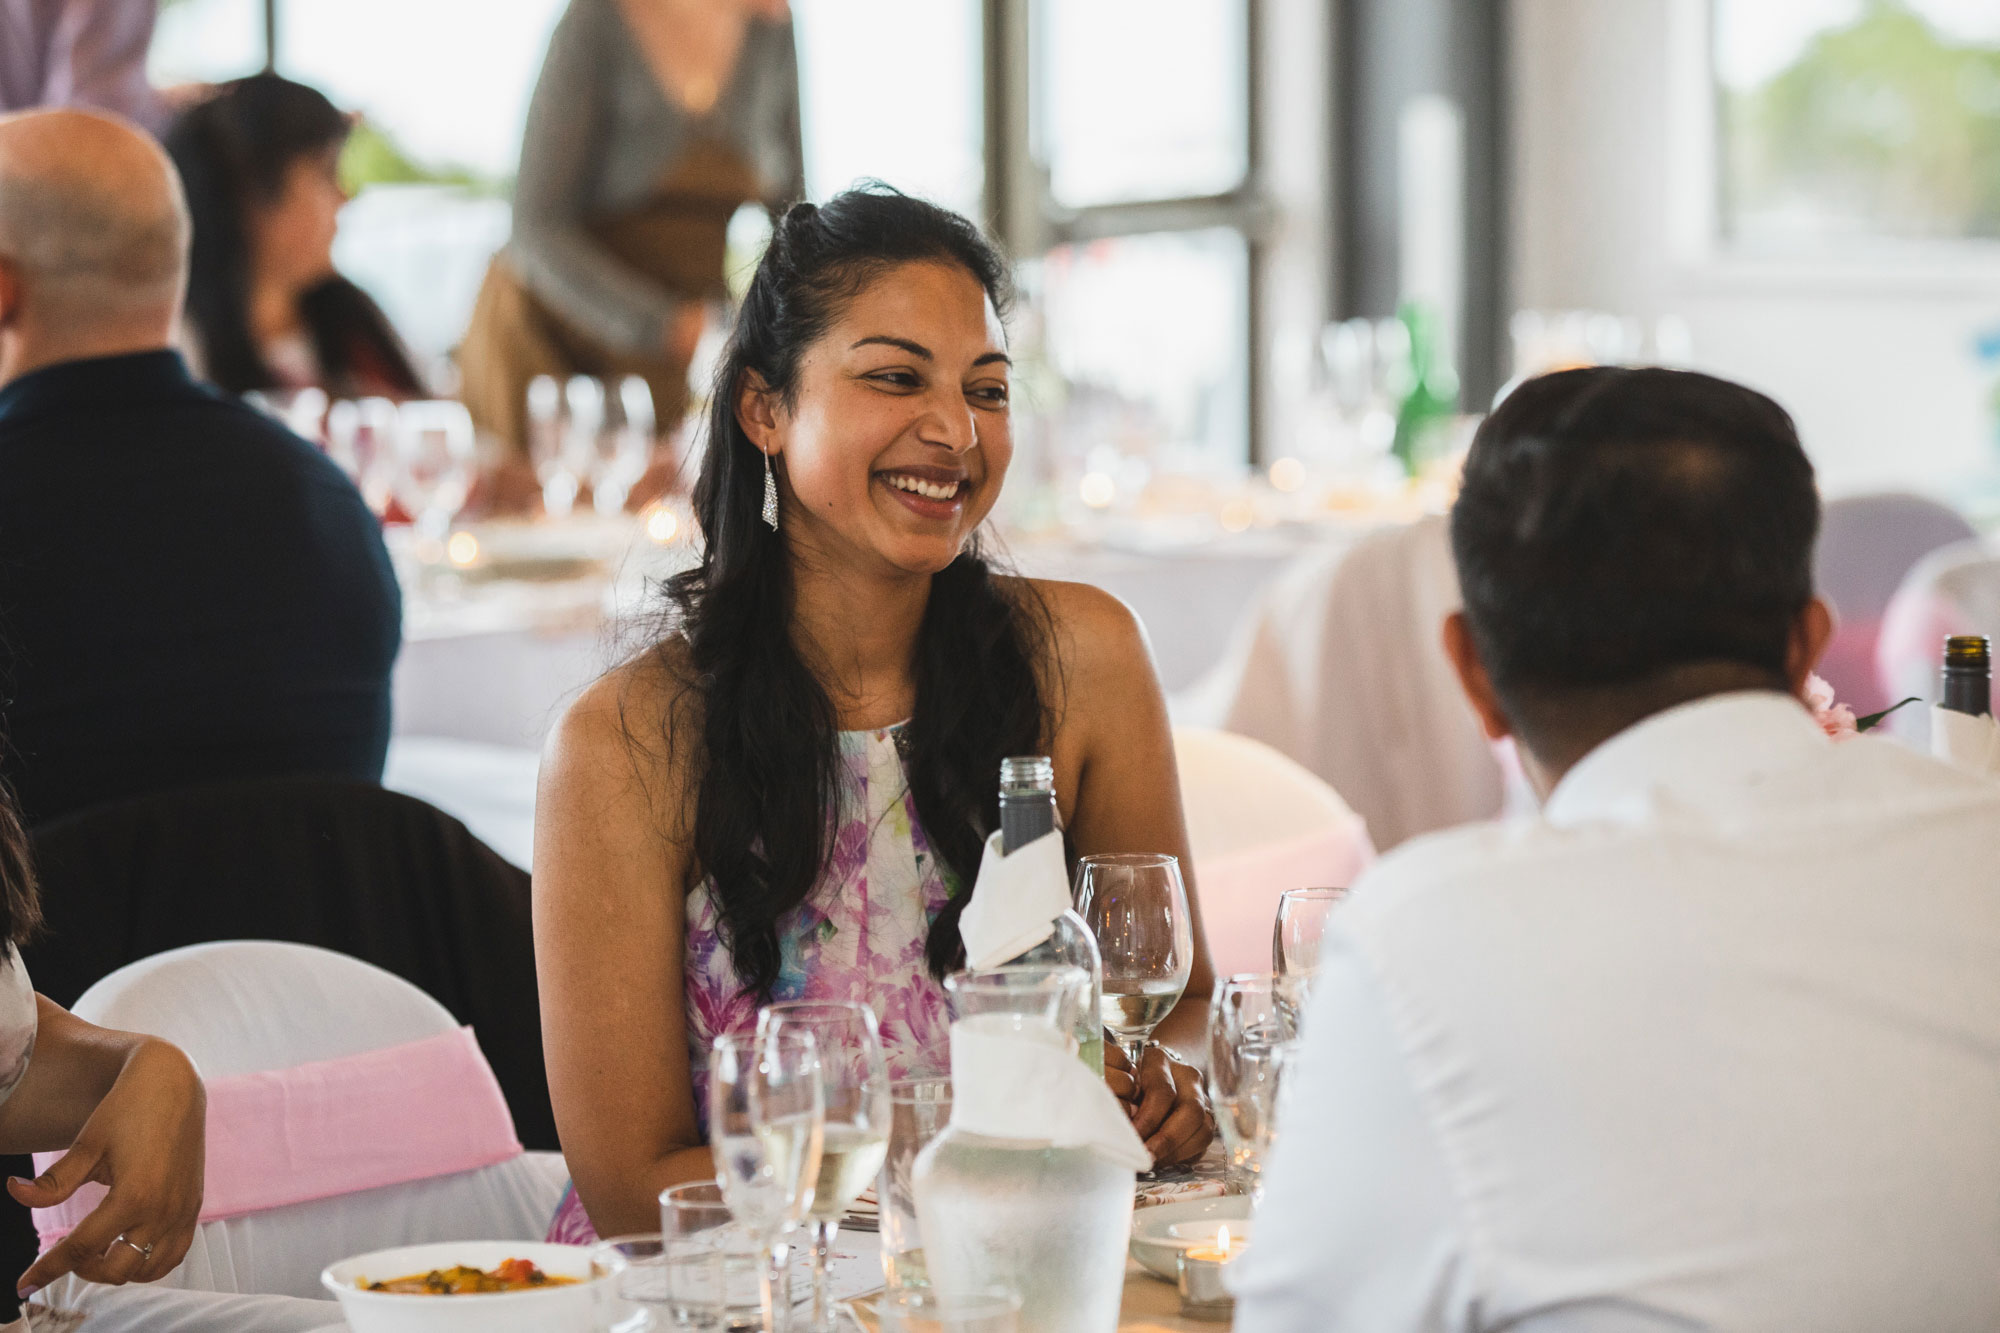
(1295,935)
(434,445)
(623,450)
(1137,908)
(855,1083)
(1253,1029)
(766,1116)
(548,446)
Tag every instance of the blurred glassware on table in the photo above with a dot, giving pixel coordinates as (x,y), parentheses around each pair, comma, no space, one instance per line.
(854,1079)
(766,1121)
(910,1310)
(713,1266)
(434,449)
(548,447)
(919,1108)
(1253,1031)
(361,439)
(644,1268)
(1137,909)
(1546,340)
(1295,935)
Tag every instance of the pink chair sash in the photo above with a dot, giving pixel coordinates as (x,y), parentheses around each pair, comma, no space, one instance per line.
(316,1131)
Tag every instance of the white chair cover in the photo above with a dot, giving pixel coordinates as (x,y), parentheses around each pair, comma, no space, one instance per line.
(1258,824)
(1954,590)
(1343,669)
(248,1006)
(1867,544)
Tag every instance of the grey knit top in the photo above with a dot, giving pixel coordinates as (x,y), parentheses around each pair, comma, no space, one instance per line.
(601,136)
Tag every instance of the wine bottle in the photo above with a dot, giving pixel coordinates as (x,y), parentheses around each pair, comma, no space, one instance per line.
(1968,675)
(1028,812)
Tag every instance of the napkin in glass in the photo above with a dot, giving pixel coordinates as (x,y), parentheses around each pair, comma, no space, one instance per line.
(1970,743)
(1015,900)
(1019,1079)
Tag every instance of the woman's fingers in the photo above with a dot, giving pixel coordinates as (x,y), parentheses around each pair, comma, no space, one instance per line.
(82,1251)
(60,1181)
(1157,1092)
(1184,1136)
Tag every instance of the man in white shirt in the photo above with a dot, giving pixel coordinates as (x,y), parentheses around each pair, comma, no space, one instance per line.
(1713,1043)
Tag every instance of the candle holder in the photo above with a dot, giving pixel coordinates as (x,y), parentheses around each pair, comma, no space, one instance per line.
(1203,1296)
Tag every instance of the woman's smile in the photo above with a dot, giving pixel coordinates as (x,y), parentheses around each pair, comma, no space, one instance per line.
(928,492)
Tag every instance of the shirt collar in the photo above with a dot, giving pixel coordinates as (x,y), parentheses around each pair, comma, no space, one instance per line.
(96,382)
(1691,753)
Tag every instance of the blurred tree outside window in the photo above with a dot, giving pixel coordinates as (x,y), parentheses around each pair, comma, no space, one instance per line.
(1847,121)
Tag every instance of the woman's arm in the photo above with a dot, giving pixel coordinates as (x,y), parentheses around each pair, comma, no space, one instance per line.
(570,124)
(1114,747)
(132,1113)
(610,936)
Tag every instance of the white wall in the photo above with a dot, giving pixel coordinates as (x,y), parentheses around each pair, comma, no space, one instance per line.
(1612,189)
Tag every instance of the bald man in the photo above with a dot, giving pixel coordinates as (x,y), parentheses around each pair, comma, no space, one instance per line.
(189,593)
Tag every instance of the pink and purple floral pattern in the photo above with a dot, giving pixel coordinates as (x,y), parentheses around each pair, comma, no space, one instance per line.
(859,936)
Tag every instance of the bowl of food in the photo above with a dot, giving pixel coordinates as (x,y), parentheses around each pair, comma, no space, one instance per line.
(487,1286)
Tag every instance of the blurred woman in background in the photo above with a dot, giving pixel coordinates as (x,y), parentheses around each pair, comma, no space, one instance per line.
(265,307)
(652,123)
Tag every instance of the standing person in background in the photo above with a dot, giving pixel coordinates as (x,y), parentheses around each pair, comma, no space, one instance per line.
(266,309)
(79,53)
(652,123)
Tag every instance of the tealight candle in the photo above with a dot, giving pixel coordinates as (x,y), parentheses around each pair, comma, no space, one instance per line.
(1203,1296)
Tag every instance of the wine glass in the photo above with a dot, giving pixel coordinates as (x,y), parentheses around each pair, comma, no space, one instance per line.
(625,450)
(434,446)
(1253,1030)
(855,1089)
(1295,935)
(548,446)
(766,1115)
(1137,908)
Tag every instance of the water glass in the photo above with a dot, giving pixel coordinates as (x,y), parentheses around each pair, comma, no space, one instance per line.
(1137,908)
(766,1118)
(713,1268)
(854,1082)
(548,446)
(646,1271)
(1295,935)
(920,1108)
(434,446)
(990,1310)
(1253,1032)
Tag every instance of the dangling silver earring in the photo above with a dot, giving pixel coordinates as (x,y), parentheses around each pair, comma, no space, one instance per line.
(770,495)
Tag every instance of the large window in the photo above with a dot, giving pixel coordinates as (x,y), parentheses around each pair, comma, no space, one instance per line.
(1858,121)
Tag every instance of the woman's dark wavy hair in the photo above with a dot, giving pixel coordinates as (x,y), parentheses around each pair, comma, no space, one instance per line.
(767,795)
(233,151)
(20,902)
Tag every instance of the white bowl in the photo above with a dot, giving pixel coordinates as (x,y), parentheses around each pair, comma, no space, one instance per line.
(1162,1231)
(566,1309)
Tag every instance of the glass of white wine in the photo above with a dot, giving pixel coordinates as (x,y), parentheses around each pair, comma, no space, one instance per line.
(1137,908)
(766,1118)
(854,1080)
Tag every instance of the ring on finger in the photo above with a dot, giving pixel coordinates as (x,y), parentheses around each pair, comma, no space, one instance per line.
(145,1251)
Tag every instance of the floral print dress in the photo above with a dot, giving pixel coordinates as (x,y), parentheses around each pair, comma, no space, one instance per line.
(860,935)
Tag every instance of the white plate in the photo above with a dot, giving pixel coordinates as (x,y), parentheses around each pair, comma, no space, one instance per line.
(1158,1233)
(568,1309)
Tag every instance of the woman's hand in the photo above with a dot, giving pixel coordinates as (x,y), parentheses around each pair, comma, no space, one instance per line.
(1166,1103)
(145,1141)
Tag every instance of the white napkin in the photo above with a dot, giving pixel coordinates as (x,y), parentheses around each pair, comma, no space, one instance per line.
(1018,1079)
(1015,900)
(1970,743)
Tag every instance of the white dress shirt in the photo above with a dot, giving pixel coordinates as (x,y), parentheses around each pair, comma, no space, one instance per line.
(1713,1043)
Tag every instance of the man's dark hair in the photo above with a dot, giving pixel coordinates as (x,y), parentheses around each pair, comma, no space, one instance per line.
(1616,525)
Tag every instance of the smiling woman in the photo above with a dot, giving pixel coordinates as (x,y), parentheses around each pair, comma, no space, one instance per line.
(786,798)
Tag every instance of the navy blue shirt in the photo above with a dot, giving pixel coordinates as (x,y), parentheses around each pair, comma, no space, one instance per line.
(189,592)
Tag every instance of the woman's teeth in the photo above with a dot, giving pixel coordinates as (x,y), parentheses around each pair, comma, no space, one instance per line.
(930,490)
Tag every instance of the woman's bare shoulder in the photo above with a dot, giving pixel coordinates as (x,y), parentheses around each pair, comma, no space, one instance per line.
(628,736)
(1091,630)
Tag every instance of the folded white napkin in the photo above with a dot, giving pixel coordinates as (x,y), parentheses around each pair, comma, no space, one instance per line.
(1014,1078)
(1015,900)
(1971,743)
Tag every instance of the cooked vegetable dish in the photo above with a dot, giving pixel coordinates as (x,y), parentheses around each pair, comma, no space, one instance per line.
(508,1275)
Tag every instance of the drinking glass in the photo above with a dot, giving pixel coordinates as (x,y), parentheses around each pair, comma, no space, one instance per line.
(714,1269)
(766,1115)
(624,448)
(1253,1030)
(1295,935)
(434,445)
(1137,908)
(548,446)
(989,1310)
(919,1109)
(647,1271)
(854,1083)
